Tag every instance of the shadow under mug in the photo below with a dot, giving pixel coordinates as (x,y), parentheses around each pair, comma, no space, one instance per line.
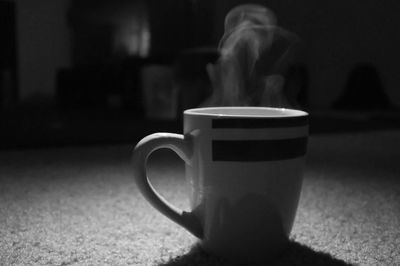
(244,166)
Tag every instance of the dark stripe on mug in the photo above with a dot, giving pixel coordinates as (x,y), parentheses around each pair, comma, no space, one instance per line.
(258,150)
(254,122)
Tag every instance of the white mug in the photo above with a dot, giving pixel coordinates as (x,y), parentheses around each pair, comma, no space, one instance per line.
(244,166)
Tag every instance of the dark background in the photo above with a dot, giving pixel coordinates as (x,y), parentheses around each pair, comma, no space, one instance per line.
(71,72)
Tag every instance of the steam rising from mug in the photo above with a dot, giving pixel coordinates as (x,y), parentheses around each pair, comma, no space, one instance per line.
(253,50)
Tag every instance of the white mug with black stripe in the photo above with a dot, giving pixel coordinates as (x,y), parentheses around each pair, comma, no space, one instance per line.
(244,166)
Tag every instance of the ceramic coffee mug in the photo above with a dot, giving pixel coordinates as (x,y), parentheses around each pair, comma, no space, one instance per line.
(244,166)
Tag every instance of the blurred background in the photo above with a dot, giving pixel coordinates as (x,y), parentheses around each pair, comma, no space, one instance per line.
(88,72)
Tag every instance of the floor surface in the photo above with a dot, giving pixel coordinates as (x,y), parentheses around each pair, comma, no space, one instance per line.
(80,206)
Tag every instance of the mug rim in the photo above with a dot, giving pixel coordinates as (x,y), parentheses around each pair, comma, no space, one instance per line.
(251,111)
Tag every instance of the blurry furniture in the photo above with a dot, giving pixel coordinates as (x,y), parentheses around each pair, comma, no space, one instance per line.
(101,86)
(364,90)
(296,86)
(114,42)
(191,77)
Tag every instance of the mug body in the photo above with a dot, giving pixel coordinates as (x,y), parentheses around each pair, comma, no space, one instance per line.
(245,177)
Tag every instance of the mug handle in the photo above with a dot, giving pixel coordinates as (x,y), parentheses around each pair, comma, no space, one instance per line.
(183,147)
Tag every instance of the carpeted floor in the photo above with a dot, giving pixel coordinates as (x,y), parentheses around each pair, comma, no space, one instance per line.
(80,206)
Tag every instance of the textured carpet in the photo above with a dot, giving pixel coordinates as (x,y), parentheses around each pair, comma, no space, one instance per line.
(80,206)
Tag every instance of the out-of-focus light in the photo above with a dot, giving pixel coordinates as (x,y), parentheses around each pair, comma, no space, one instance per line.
(132,37)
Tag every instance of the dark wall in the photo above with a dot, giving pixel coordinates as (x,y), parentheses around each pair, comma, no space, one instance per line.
(337,35)
(8,55)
